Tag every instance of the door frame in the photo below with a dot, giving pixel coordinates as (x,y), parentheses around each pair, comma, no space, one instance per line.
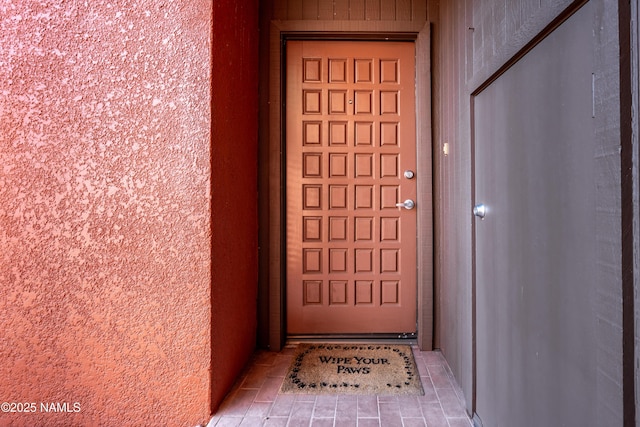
(280,32)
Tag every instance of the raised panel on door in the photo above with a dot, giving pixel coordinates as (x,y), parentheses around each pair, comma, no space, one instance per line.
(535,257)
(350,135)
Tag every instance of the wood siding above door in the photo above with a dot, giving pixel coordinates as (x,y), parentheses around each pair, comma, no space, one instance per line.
(351,10)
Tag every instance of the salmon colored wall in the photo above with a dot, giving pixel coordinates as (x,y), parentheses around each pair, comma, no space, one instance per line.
(105,211)
(234,189)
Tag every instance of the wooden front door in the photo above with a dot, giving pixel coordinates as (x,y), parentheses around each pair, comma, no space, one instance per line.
(350,155)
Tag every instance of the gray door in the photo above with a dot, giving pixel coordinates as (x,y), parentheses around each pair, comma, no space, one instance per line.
(535,256)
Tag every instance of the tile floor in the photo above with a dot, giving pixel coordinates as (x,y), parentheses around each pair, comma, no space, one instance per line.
(255,401)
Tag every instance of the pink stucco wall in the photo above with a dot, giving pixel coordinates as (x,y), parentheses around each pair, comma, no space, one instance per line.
(105,235)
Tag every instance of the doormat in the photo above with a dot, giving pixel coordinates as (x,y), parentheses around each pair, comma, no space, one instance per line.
(353,369)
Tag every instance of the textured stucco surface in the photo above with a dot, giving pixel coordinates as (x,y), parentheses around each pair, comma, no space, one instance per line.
(105,210)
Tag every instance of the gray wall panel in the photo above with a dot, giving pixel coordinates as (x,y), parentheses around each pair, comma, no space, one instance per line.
(473,40)
(536,280)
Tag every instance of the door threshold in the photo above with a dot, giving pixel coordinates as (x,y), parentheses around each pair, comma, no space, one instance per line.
(400,338)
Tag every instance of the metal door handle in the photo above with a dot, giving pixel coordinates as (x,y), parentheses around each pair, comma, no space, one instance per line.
(407,204)
(480,210)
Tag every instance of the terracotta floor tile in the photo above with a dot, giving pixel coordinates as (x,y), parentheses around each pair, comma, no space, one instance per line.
(299,422)
(256,376)
(255,400)
(227,421)
(347,399)
(390,406)
(275,422)
(413,422)
(433,357)
(325,407)
(262,357)
(280,366)
(346,422)
(421,362)
(282,405)
(433,415)
(259,409)
(322,422)
(269,390)
(460,422)
(239,403)
(346,407)
(251,421)
(439,376)
(369,422)
(457,389)
(302,410)
(422,368)
(367,406)
(430,394)
(451,406)
(305,398)
(409,407)
(390,414)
